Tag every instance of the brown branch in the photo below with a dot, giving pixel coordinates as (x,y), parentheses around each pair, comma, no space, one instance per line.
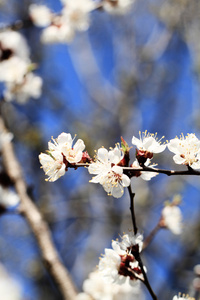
(146,281)
(150,237)
(36,222)
(132,209)
(131,172)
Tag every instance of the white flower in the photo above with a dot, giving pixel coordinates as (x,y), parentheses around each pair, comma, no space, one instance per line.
(145,175)
(130,239)
(77,12)
(64,144)
(30,86)
(8,198)
(74,16)
(172,217)
(119,265)
(96,288)
(109,266)
(83,296)
(117,6)
(59,32)
(183,297)
(60,153)
(187,150)
(108,174)
(148,142)
(40,15)
(13,69)
(9,288)
(12,43)
(52,165)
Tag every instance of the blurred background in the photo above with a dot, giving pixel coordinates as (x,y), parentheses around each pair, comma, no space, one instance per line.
(127,73)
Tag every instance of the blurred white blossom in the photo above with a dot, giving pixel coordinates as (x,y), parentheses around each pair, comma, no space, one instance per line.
(183,297)
(77,12)
(8,198)
(117,6)
(15,69)
(12,43)
(40,15)
(96,288)
(9,288)
(58,32)
(172,218)
(73,17)
(30,86)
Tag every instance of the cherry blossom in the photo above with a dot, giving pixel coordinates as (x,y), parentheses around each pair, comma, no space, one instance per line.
(8,198)
(144,174)
(108,174)
(117,6)
(187,150)
(130,239)
(96,288)
(119,265)
(61,153)
(52,165)
(15,69)
(148,142)
(74,17)
(172,218)
(64,144)
(77,13)
(12,43)
(58,32)
(30,86)
(40,15)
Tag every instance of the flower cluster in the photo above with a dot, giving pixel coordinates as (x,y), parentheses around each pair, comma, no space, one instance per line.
(96,288)
(74,16)
(61,155)
(61,28)
(16,68)
(119,264)
(108,165)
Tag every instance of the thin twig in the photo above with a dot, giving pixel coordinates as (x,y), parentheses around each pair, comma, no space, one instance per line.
(132,171)
(150,237)
(146,281)
(137,254)
(132,209)
(36,222)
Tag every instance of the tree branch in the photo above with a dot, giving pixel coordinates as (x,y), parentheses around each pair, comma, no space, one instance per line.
(132,209)
(36,222)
